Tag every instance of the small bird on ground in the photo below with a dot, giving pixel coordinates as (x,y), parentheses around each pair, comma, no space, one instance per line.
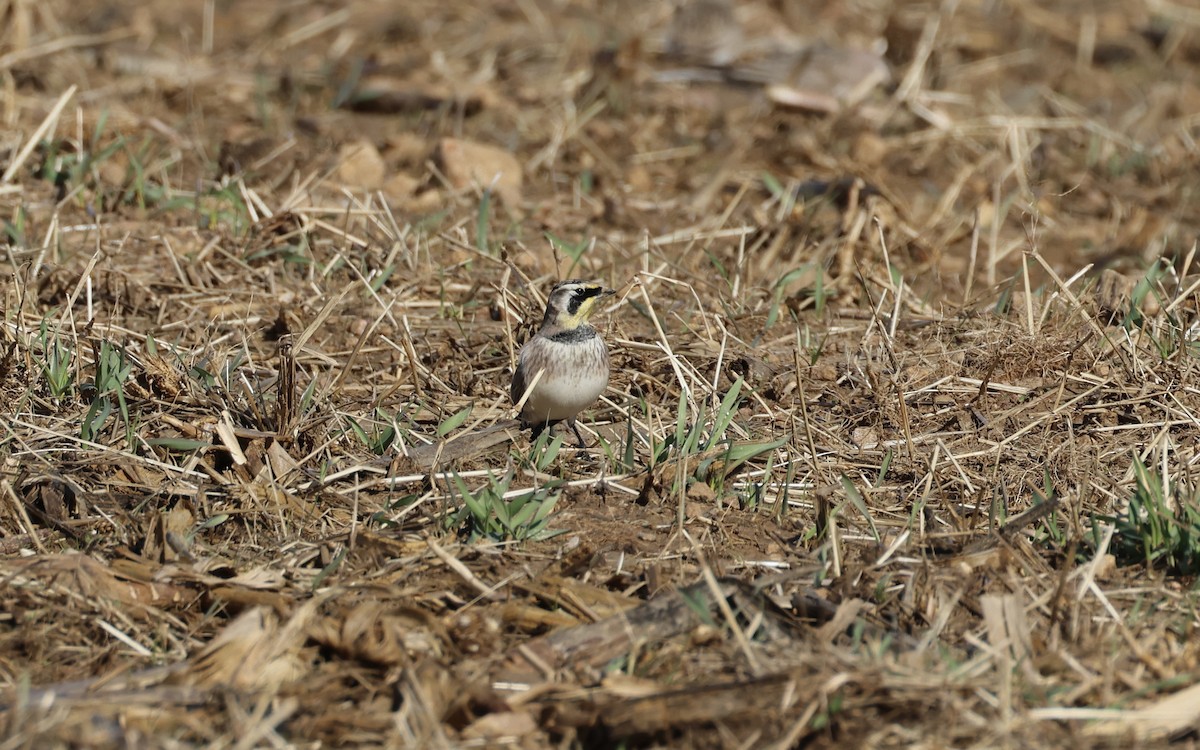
(570,357)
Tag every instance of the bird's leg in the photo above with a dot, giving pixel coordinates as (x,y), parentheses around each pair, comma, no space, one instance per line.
(538,429)
(578,434)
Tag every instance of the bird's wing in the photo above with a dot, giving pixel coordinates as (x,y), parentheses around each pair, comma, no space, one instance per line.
(517,390)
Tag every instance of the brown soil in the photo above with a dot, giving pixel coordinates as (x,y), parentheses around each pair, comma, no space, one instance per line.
(264,245)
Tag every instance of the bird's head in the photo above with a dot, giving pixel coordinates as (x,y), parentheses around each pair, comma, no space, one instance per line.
(572,302)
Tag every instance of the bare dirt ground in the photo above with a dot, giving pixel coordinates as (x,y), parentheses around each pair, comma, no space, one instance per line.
(899,448)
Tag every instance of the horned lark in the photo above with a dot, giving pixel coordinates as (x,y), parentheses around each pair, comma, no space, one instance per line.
(569,355)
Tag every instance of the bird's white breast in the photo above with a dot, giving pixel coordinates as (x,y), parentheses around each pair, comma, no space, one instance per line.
(575,384)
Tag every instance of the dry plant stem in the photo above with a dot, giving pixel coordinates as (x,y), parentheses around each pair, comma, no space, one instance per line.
(1056,603)
(1028,296)
(368,335)
(1078,307)
(415,367)
(1048,305)
(818,479)
(994,255)
(322,315)
(726,611)
(1157,667)
(19,507)
(62,44)
(801,727)
(889,349)
(48,124)
(85,279)
(287,400)
(1187,293)
(911,84)
(498,405)
(505,307)
(487,592)
(14,544)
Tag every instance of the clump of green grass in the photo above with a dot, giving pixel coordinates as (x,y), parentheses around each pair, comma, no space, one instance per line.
(56,365)
(543,451)
(16,229)
(112,369)
(1161,526)
(700,449)
(819,293)
(376,434)
(498,513)
(73,167)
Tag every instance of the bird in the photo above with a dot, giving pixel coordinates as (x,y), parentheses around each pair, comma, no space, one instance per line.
(570,356)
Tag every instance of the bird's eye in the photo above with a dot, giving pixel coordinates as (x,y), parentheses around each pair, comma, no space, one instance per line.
(580,295)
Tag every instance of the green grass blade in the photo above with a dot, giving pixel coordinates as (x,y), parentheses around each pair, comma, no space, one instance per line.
(454,421)
(856,499)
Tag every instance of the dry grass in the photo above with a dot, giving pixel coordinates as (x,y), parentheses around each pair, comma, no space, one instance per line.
(875,469)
